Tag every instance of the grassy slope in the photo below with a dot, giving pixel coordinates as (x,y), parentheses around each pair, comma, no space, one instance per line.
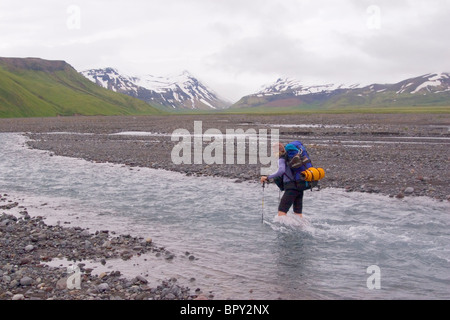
(33,93)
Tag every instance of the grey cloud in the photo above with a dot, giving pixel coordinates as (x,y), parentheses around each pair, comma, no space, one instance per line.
(262,54)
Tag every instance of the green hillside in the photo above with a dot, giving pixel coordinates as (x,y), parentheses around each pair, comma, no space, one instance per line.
(32,87)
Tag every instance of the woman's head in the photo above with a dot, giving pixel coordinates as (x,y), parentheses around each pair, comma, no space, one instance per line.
(279,148)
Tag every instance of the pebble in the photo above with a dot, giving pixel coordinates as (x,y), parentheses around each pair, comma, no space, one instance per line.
(18,296)
(103,287)
(141,279)
(409,190)
(400,195)
(26,281)
(61,284)
(85,233)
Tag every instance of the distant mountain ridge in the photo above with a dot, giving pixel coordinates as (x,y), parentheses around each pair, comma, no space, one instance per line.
(179,92)
(429,89)
(34,87)
(294,85)
(36,64)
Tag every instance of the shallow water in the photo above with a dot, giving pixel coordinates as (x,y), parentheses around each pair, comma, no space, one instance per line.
(242,250)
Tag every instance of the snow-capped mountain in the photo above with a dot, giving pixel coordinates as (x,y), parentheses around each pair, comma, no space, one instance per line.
(298,89)
(182,91)
(432,82)
(429,89)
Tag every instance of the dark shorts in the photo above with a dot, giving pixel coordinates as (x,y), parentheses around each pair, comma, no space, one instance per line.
(293,196)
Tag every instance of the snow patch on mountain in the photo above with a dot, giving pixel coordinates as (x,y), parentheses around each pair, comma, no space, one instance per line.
(432,80)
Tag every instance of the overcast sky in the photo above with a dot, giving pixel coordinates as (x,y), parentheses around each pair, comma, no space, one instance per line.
(236,46)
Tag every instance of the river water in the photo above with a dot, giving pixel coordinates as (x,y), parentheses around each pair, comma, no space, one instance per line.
(347,246)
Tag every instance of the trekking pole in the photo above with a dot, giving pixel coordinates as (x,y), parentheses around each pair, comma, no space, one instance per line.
(262,209)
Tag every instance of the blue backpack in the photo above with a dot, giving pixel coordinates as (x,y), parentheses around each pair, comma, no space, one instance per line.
(297,158)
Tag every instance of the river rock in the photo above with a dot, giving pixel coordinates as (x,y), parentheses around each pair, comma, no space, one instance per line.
(103,287)
(18,296)
(61,284)
(6,279)
(170,296)
(409,190)
(400,195)
(85,233)
(26,281)
(141,279)
(24,260)
(169,256)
